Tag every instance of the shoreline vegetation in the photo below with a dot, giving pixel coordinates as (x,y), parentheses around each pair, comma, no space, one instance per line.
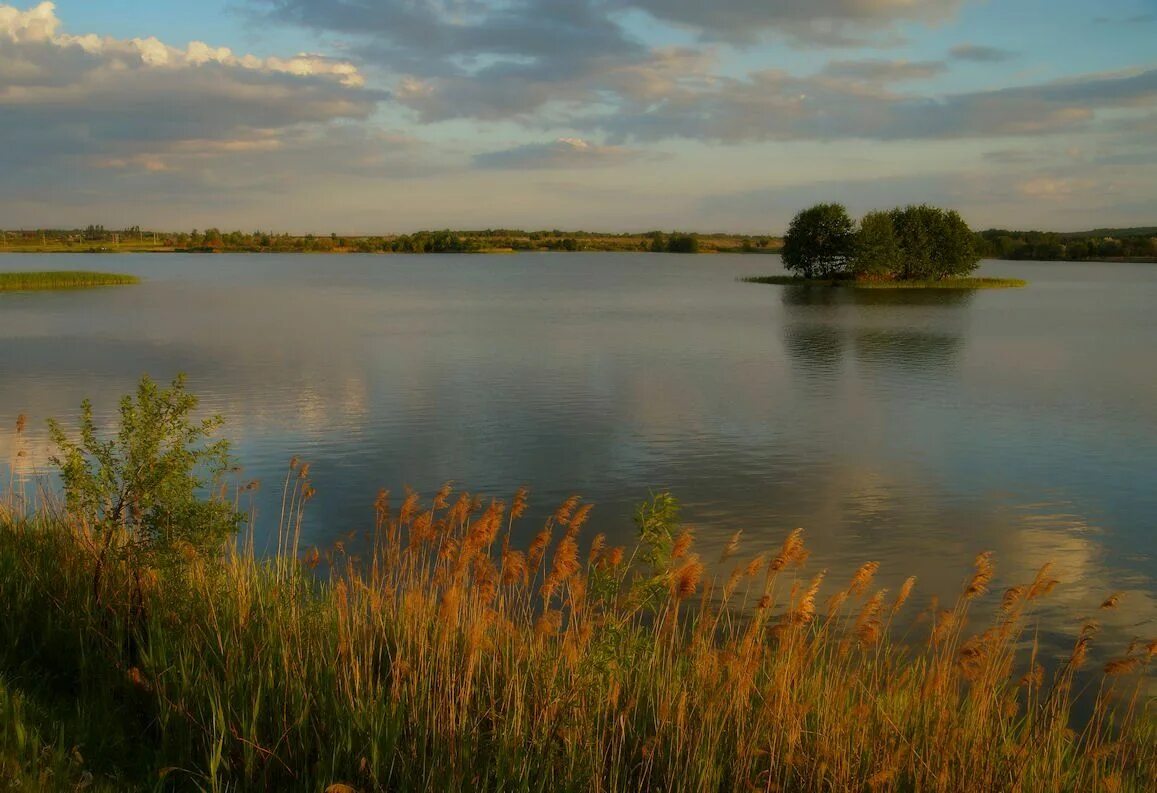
(854,283)
(96,239)
(66,279)
(453,648)
(1099,245)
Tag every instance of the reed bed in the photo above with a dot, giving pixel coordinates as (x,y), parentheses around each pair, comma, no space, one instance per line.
(435,654)
(65,279)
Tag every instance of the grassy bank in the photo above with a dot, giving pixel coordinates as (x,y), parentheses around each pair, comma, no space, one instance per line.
(849,283)
(13,282)
(445,659)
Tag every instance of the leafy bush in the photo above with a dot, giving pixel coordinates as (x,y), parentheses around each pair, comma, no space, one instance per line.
(819,241)
(149,481)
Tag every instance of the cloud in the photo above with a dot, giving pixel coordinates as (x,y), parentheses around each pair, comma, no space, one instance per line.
(831,22)
(1058,193)
(86,116)
(563,153)
(573,65)
(980,54)
(501,59)
(776,105)
(884,71)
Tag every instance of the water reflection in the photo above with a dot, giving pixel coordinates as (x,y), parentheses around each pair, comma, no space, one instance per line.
(912,350)
(796,295)
(900,427)
(925,335)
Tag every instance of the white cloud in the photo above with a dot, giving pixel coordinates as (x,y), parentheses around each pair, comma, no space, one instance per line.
(563,153)
(90,115)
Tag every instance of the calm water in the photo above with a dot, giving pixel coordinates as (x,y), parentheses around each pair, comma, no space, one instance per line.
(910,428)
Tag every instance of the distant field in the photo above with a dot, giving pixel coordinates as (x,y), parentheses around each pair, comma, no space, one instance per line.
(12,282)
(947,283)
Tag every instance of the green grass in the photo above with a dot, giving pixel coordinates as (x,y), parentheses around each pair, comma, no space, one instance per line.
(446,658)
(67,279)
(947,283)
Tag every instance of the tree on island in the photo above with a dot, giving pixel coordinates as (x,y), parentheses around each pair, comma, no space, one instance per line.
(820,241)
(934,243)
(911,243)
(877,251)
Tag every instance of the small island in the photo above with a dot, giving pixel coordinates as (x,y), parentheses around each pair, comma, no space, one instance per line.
(863,283)
(914,247)
(68,279)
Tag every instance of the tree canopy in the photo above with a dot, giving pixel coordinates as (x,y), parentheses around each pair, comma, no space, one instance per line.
(820,241)
(910,243)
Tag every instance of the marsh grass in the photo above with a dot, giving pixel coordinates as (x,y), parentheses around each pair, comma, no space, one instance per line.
(852,283)
(436,654)
(62,280)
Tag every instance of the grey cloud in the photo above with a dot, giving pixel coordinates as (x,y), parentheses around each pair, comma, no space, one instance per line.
(775,105)
(1093,193)
(497,59)
(562,153)
(570,64)
(825,21)
(980,54)
(474,59)
(884,71)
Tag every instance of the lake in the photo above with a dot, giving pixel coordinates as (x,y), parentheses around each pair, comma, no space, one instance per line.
(911,428)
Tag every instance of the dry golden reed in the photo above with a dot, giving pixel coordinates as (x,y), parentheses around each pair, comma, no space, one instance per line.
(468,654)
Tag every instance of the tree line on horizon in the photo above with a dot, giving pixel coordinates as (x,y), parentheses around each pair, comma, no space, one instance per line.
(1096,245)
(97,238)
(1107,244)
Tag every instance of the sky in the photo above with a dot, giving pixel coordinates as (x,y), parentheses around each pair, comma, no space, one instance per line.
(381,116)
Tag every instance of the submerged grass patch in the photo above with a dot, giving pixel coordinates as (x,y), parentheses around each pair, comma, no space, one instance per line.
(67,279)
(849,283)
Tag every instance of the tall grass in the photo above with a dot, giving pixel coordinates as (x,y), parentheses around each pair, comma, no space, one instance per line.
(66,279)
(433,654)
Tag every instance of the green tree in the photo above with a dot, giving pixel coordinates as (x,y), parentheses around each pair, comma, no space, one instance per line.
(683,243)
(148,485)
(819,242)
(934,243)
(877,253)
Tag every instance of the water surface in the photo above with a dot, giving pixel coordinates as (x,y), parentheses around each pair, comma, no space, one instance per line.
(912,428)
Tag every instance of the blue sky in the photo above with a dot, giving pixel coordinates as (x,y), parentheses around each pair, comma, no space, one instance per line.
(371,116)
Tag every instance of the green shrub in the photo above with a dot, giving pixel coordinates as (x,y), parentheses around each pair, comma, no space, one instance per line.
(148,482)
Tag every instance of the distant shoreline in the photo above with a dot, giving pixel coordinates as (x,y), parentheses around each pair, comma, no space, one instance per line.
(481,252)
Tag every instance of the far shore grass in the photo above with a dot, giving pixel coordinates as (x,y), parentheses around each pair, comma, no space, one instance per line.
(850,283)
(19,282)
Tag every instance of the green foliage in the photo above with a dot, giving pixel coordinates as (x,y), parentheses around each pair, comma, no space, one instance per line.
(819,242)
(913,243)
(62,280)
(657,522)
(683,243)
(1101,244)
(934,243)
(149,479)
(877,252)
